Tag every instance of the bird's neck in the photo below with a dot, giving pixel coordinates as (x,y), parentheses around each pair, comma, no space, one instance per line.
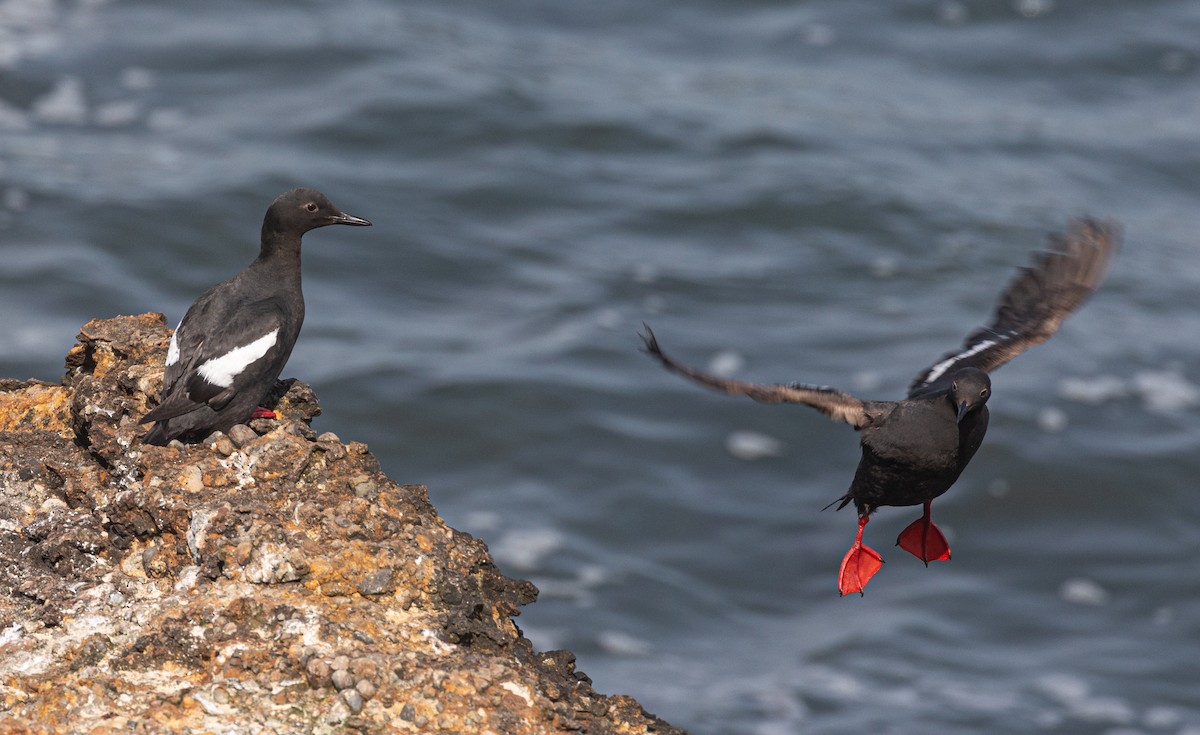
(280,250)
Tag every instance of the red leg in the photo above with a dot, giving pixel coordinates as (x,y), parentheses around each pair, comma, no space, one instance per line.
(859,565)
(263,413)
(924,540)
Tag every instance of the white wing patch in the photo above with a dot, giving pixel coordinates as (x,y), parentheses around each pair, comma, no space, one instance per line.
(936,371)
(222,370)
(173,348)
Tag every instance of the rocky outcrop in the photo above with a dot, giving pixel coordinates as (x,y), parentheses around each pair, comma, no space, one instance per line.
(265,581)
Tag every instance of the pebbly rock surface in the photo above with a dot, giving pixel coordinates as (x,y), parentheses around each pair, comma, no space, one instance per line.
(265,581)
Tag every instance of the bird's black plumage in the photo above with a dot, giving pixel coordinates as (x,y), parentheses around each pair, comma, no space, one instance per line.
(233,342)
(914,449)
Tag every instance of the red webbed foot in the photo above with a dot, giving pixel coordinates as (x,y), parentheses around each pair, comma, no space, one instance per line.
(924,540)
(263,413)
(859,565)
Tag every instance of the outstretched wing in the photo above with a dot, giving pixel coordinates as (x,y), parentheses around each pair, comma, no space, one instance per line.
(1035,303)
(835,404)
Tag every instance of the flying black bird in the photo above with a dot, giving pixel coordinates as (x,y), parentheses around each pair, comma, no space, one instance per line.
(913,450)
(233,342)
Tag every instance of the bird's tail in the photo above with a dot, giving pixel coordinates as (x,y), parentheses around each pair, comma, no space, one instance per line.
(157,435)
(845,500)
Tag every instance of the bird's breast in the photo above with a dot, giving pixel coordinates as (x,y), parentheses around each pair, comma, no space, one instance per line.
(916,446)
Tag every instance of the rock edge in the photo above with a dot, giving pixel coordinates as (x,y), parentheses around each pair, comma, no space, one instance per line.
(268,580)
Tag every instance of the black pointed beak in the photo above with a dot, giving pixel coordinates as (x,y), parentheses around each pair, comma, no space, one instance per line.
(963,407)
(341,218)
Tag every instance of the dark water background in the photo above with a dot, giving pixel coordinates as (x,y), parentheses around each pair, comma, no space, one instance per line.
(830,191)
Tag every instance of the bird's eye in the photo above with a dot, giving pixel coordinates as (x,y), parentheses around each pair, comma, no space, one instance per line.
(954,386)
(983,393)
(311,206)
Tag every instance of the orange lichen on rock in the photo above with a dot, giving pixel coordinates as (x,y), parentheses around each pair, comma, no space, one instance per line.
(35,406)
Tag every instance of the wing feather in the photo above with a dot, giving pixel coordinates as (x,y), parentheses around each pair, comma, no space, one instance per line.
(835,404)
(185,388)
(1034,304)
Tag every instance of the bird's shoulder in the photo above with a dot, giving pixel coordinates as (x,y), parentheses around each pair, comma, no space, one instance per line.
(213,325)
(878,413)
(927,408)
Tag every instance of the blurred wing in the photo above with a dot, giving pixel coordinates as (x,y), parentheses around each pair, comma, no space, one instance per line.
(1035,303)
(835,404)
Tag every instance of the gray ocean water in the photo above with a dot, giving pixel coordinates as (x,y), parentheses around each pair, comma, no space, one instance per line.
(831,191)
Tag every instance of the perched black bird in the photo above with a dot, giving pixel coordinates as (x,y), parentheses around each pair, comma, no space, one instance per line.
(233,342)
(913,450)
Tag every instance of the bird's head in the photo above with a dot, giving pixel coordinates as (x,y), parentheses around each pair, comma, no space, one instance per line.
(301,210)
(971,389)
